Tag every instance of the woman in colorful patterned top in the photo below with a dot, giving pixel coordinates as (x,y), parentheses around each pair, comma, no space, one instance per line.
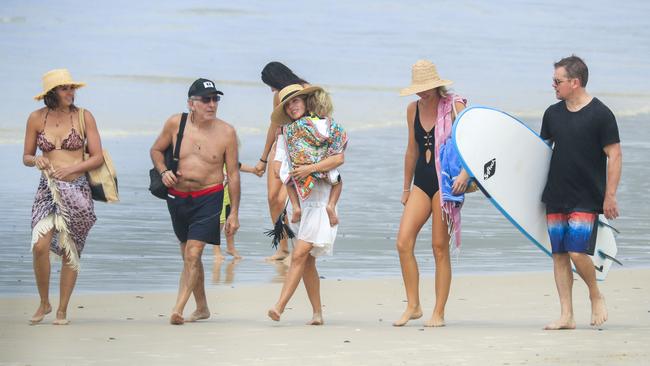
(308,152)
(276,76)
(63,210)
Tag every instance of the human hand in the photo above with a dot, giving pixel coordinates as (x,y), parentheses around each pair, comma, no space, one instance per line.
(302,171)
(260,168)
(460,183)
(62,173)
(42,163)
(259,173)
(405,197)
(170,179)
(610,207)
(232,224)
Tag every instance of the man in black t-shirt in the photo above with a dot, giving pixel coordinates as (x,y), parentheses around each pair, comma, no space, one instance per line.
(582,182)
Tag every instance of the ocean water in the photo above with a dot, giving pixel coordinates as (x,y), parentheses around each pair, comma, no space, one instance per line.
(139,57)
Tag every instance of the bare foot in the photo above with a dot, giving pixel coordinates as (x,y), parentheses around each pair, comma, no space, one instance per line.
(598,311)
(234,253)
(331,213)
(295,216)
(562,323)
(408,315)
(40,313)
(176,319)
(435,321)
(61,319)
(316,319)
(274,314)
(199,315)
(279,255)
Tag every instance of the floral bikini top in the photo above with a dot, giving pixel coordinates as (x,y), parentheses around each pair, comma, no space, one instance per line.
(73,142)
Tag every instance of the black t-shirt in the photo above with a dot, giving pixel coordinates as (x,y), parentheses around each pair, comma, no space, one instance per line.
(578,173)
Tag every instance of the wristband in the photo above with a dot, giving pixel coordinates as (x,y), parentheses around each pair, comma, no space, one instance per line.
(264,161)
(164,171)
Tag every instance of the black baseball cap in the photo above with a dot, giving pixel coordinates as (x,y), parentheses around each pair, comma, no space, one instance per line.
(202,87)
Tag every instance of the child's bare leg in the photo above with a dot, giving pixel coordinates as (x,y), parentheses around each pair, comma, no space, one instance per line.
(216,250)
(335,193)
(230,246)
(295,203)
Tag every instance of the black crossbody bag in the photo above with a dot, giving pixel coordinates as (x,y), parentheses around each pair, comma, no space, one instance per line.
(156,186)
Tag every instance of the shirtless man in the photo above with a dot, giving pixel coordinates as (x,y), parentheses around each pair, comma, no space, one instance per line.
(195,190)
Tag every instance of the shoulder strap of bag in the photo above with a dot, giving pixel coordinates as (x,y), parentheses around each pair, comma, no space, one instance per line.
(82,124)
(179,138)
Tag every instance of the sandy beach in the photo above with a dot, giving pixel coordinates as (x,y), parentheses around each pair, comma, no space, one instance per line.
(491,320)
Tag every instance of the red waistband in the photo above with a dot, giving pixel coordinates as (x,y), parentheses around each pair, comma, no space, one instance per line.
(195,194)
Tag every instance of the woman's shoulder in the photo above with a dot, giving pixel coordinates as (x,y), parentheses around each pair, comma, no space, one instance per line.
(37,115)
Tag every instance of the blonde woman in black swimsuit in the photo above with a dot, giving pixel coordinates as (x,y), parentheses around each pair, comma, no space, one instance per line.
(422,200)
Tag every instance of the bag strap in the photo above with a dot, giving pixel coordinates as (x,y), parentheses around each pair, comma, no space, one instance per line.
(179,139)
(82,124)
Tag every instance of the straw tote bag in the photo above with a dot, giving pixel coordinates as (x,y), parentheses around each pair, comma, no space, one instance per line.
(103,179)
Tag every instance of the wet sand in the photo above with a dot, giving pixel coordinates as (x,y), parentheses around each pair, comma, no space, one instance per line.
(491,320)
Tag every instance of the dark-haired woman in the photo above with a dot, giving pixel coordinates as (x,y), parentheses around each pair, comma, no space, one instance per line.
(63,210)
(277,76)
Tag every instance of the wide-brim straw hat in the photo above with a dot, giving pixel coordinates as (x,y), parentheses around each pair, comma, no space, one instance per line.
(279,116)
(57,77)
(424,76)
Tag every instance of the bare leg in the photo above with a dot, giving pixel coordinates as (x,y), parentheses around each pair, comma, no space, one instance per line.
(585,268)
(295,203)
(68,280)
(335,193)
(312,285)
(277,196)
(564,284)
(296,272)
(416,213)
(216,249)
(230,247)
(41,254)
(440,244)
(192,281)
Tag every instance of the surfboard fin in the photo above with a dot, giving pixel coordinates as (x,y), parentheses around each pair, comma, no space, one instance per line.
(609,226)
(605,255)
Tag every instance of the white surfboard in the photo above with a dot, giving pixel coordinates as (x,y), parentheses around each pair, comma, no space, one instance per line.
(510,162)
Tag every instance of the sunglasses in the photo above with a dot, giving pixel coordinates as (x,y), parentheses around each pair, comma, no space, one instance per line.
(558,81)
(208,98)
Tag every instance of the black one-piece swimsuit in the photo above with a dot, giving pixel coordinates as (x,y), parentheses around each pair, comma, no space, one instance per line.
(425,173)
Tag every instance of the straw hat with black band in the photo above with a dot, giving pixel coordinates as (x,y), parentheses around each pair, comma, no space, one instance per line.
(279,116)
(57,77)
(424,76)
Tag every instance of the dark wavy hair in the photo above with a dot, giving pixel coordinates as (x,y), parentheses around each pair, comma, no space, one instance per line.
(51,100)
(277,75)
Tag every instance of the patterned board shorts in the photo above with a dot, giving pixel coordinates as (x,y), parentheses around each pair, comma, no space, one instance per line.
(573,231)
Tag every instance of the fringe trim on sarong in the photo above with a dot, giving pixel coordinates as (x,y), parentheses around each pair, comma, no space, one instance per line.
(57,222)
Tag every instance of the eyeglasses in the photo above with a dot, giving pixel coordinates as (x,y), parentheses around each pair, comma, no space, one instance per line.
(208,98)
(557,82)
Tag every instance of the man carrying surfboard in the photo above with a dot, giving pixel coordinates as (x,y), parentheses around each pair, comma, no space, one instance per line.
(582,181)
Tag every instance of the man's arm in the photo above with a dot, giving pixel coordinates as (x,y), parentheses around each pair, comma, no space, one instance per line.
(614,165)
(234,188)
(157,151)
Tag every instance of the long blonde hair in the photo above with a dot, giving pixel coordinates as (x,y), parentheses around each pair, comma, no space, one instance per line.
(320,103)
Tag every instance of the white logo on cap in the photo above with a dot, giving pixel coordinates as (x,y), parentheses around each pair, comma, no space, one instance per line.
(208,84)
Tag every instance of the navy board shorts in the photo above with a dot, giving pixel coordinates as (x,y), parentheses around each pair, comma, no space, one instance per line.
(195,215)
(572,230)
